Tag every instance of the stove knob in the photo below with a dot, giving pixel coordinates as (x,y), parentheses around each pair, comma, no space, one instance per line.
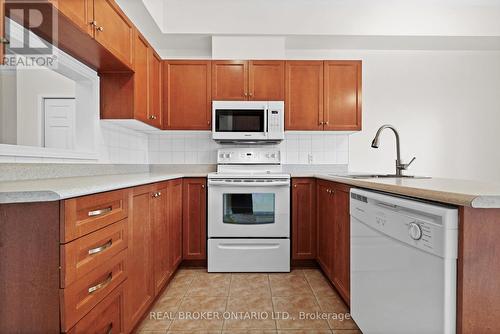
(415,231)
(273,155)
(228,155)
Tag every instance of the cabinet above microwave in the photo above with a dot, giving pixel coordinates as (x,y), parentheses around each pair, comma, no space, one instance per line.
(248,121)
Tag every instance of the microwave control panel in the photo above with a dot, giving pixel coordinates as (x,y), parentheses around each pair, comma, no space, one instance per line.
(275,119)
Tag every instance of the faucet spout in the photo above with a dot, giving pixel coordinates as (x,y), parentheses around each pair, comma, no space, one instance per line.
(376,141)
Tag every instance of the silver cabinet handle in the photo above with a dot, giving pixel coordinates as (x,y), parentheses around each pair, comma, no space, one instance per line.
(100,248)
(4,40)
(100,29)
(153,117)
(93,23)
(110,329)
(101,285)
(100,212)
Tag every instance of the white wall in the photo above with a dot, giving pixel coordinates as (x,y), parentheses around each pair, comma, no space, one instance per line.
(445,104)
(31,85)
(333,17)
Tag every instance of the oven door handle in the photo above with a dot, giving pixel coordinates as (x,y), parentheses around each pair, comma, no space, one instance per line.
(242,246)
(284,183)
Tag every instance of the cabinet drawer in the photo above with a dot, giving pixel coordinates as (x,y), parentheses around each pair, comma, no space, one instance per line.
(106,317)
(83,215)
(80,297)
(83,255)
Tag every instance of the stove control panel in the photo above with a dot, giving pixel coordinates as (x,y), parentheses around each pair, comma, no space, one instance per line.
(249,156)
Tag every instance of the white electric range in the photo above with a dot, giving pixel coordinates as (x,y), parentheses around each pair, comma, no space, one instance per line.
(249,212)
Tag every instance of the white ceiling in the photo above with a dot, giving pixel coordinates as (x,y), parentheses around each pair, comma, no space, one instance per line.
(184,28)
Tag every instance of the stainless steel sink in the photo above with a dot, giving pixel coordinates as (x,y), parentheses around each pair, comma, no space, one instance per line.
(386,176)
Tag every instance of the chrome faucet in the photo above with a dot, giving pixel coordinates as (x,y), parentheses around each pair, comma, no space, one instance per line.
(400,166)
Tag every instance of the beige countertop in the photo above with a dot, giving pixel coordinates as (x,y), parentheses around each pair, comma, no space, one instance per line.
(43,190)
(450,191)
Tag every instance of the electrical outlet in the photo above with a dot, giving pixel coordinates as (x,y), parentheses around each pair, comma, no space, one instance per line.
(310,158)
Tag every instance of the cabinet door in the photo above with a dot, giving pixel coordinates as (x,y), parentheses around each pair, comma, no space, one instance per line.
(342,95)
(303,219)
(114,30)
(175,210)
(139,287)
(304,95)
(266,80)
(325,223)
(154,108)
(187,102)
(340,275)
(230,80)
(80,12)
(194,219)
(141,78)
(161,235)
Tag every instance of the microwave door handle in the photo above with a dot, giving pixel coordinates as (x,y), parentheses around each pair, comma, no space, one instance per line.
(267,121)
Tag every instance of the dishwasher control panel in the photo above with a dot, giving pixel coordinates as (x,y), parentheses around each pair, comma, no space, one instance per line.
(423,225)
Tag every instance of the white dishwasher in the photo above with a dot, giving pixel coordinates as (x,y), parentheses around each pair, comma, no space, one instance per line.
(403,264)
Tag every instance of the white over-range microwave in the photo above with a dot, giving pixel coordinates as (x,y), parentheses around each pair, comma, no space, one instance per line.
(248,121)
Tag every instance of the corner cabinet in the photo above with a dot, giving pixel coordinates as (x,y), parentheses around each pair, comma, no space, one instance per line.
(194,232)
(303,219)
(104,21)
(134,96)
(323,95)
(187,95)
(254,80)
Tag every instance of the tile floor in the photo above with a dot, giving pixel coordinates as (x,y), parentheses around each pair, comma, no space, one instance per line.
(298,302)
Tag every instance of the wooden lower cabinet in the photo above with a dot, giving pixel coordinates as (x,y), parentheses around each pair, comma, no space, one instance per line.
(194,231)
(334,234)
(340,274)
(105,318)
(303,219)
(175,225)
(324,204)
(139,287)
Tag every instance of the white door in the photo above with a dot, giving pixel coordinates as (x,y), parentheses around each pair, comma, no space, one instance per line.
(59,129)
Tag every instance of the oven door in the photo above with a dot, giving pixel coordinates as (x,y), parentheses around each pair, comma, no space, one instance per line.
(249,208)
(239,120)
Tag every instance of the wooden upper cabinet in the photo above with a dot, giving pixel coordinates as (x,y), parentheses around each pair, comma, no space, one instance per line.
(114,30)
(266,80)
(304,95)
(155,89)
(229,80)
(80,12)
(342,95)
(194,230)
(141,78)
(187,95)
(303,219)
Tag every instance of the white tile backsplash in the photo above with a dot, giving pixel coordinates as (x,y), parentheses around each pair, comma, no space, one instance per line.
(191,147)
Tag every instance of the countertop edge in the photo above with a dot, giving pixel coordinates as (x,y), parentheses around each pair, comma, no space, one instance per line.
(420,193)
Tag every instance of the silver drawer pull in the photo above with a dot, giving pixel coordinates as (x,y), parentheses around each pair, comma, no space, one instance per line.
(100,248)
(110,329)
(101,285)
(99,212)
